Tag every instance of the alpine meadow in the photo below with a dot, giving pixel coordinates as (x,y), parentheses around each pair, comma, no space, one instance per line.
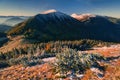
(59,40)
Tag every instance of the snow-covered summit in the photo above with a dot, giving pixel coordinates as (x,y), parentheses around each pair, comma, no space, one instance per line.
(82,17)
(53,15)
(49,11)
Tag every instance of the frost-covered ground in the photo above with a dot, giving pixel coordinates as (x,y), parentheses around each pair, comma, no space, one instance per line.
(51,59)
(43,71)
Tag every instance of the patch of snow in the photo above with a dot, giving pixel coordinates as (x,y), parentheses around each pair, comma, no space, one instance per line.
(79,75)
(82,16)
(49,11)
(51,59)
(71,77)
(99,73)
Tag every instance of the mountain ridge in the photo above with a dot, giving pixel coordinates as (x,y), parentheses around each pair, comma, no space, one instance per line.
(59,26)
(13,21)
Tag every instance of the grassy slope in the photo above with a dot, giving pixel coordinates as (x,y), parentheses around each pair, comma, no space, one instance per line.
(43,71)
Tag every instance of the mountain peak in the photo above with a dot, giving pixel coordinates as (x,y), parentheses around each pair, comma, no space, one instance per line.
(53,26)
(82,17)
(49,11)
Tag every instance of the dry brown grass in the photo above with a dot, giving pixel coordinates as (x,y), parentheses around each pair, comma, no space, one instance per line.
(40,72)
(13,43)
(19,72)
(107,52)
(112,71)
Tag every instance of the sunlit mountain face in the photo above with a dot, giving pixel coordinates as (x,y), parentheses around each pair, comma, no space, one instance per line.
(59,40)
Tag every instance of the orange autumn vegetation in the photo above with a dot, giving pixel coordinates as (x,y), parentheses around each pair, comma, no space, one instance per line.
(47,47)
(106,52)
(89,75)
(40,72)
(22,73)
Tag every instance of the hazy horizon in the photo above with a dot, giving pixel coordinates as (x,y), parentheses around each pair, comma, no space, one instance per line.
(33,7)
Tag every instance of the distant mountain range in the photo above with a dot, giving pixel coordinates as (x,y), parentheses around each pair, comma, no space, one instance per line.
(5,18)
(53,25)
(6,22)
(13,21)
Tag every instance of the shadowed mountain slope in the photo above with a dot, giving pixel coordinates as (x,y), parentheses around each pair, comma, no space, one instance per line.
(59,26)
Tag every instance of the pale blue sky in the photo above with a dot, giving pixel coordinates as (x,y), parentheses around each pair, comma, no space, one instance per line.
(33,7)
